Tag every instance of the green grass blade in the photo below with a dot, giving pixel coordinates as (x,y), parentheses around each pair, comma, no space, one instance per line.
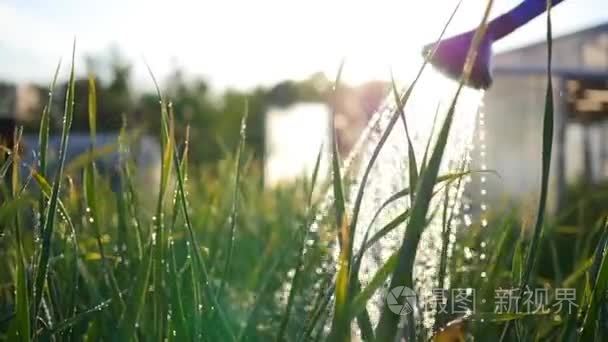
(91,196)
(70,322)
(6,165)
(367,241)
(319,309)
(403,101)
(46,190)
(338,187)
(200,265)
(20,329)
(412,165)
(546,159)
(43,134)
(377,281)
(300,261)
(43,141)
(47,232)
(447,228)
(234,211)
(137,297)
(92,110)
(428,142)
(340,330)
(184,330)
(262,294)
(402,276)
(387,228)
(597,297)
(547,147)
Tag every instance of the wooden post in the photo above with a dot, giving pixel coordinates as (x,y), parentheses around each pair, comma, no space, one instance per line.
(587,158)
(8,99)
(560,153)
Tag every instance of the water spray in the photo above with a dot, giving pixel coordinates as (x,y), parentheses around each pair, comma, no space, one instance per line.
(451,53)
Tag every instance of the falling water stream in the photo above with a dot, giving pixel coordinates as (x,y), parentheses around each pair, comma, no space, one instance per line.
(430,99)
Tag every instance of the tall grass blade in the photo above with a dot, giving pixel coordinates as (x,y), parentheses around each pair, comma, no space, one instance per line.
(412,165)
(402,276)
(403,101)
(546,158)
(137,296)
(91,197)
(234,211)
(428,142)
(20,329)
(597,297)
(200,265)
(47,233)
(447,230)
(300,261)
(340,330)
(547,147)
(319,309)
(6,165)
(70,322)
(177,292)
(377,281)
(92,109)
(43,139)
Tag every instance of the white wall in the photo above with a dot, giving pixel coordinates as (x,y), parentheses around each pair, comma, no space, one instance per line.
(293,138)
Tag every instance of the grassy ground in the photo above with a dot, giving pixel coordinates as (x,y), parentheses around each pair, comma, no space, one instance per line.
(211,255)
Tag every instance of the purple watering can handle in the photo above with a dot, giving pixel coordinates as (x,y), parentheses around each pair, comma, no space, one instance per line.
(517,17)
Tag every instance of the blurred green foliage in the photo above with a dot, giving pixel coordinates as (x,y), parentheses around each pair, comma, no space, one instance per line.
(212,117)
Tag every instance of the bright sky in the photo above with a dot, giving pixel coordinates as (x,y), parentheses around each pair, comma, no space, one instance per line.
(244,43)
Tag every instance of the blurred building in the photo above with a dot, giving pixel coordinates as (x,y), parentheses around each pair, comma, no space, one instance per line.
(17,104)
(295,132)
(514,108)
(142,150)
(294,136)
(22,105)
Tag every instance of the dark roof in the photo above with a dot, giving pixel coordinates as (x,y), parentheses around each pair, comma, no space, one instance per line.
(542,71)
(589,30)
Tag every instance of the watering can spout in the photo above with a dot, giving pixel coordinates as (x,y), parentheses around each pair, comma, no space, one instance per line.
(450,54)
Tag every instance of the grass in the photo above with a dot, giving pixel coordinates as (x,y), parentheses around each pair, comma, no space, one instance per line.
(80,260)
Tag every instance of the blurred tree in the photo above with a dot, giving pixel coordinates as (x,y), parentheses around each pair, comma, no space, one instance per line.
(214,119)
(114,97)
